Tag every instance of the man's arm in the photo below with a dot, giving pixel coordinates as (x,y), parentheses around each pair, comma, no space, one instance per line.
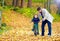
(45,14)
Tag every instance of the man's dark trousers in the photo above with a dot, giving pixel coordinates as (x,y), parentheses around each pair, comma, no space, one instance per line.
(49,27)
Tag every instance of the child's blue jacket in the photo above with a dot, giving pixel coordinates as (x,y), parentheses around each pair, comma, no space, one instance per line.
(35,20)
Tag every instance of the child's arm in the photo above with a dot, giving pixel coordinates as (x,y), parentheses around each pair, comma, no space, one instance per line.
(38,20)
(31,21)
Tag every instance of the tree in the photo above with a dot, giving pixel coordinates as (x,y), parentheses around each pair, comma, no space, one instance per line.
(2,3)
(22,3)
(15,3)
(48,5)
(0,18)
(29,3)
(57,2)
(45,4)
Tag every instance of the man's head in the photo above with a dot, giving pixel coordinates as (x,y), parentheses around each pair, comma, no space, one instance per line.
(39,10)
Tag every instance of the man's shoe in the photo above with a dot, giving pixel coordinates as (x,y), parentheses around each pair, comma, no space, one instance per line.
(49,34)
(42,35)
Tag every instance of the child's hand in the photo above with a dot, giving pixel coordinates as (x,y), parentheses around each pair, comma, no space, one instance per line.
(31,22)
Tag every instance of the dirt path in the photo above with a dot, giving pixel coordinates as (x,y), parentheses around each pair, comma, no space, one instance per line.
(22,29)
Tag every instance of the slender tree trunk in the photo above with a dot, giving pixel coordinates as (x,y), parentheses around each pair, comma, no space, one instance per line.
(17,1)
(0,18)
(44,4)
(14,3)
(58,11)
(3,3)
(29,3)
(22,3)
(48,5)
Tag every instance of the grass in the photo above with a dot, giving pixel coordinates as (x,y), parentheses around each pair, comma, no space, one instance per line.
(56,17)
(28,12)
(32,0)
(37,0)
(4,29)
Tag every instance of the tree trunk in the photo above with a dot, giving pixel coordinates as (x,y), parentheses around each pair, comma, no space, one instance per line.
(58,11)
(29,3)
(22,3)
(0,18)
(14,3)
(3,3)
(17,1)
(44,3)
(48,5)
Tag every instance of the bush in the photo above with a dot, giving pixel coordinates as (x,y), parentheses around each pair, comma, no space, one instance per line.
(4,25)
(37,0)
(28,12)
(16,8)
(56,17)
(1,8)
(4,29)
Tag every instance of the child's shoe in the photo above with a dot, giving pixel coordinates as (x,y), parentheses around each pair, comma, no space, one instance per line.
(32,29)
(35,34)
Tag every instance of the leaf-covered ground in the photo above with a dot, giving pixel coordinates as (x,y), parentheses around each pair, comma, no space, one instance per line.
(22,29)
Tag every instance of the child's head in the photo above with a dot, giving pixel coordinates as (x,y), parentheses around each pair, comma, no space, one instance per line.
(35,16)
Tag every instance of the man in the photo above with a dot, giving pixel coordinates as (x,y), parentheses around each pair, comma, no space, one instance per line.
(46,18)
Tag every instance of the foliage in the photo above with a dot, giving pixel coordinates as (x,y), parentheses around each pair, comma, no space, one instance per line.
(37,0)
(56,17)
(4,24)
(4,28)
(1,8)
(28,12)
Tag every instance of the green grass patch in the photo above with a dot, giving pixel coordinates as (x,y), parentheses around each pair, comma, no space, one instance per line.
(37,0)
(28,12)
(4,28)
(56,17)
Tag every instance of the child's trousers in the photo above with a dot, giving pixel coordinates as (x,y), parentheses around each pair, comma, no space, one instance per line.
(35,28)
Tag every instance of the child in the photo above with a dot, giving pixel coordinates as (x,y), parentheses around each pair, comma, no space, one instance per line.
(35,20)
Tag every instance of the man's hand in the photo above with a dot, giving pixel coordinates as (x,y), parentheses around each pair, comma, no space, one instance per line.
(43,19)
